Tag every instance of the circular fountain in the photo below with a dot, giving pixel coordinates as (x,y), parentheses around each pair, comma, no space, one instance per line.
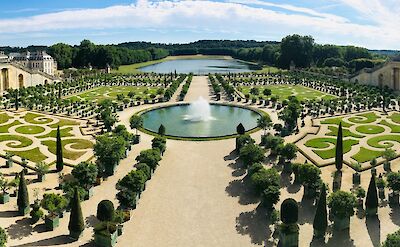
(200,119)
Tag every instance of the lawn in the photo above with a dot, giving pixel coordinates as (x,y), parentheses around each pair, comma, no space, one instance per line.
(346,132)
(366,155)
(322,143)
(30,129)
(383,141)
(370,129)
(102,93)
(285,91)
(365,118)
(269,69)
(78,144)
(33,155)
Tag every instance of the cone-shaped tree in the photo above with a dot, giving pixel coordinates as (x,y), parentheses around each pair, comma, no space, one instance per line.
(371,202)
(59,90)
(16,100)
(59,161)
(240,129)
(76,224)
(339,149)
(161,130)
(23,196)
(321,220)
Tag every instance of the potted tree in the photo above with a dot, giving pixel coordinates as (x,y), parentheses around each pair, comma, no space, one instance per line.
(360,194)
(289,230)
(136,122)
(388,154)
(309,176)
(341,206)
(356,175)
(105,233)
(85,173)
(381,184)
(42,169)
(54,204)
(36,213)
(5,185)
(393,180)
(9,160)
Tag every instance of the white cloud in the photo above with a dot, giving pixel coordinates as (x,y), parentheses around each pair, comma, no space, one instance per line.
(245,19)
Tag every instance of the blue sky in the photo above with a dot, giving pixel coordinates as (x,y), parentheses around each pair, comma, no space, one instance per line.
(369,23)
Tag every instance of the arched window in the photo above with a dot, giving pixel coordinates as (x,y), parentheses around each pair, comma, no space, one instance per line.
(21,80)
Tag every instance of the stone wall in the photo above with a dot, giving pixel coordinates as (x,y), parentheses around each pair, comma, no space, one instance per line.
(386,75)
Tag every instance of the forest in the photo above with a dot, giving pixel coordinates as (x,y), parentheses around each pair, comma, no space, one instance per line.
(302,51)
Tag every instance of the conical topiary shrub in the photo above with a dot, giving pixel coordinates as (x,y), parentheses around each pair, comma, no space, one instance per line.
(76,224)
(23,196)
(321,215)
(371,202)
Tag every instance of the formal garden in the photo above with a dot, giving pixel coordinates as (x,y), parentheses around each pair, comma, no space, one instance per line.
(369,139)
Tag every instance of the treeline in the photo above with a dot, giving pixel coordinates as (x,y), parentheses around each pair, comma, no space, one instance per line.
(301,51)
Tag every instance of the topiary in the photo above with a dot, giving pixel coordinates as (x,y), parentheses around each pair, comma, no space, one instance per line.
(289,211)
(76,224)
(3,237)
(240,129)
(105,211)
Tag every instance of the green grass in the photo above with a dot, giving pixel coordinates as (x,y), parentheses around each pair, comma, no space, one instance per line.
(16,141)
(77,144)
(63,122)
(33,155)
(336,121)
(285,91)
(395,117)
(34,118)
(366,155)
(65,132)
(394,127)
(269,69)
(4,128)
(102,93)
(4,118)
(322,143)
(384,139)
(364,118)
(370,129)
(30,129)
(346,132)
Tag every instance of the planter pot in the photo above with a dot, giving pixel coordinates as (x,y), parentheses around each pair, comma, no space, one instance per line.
(120,229)
(61,214)
(41,177)
(104,240)
(360,202)
(356,178)
(373,171)
(89,193)
(289,239)
(381,193)
(75,235)
(386,166)
(23,211)
(341,223)
(287,167)
(394,199)
(51,222)
(9,163)
(136,139)
(4,198)
(98,181)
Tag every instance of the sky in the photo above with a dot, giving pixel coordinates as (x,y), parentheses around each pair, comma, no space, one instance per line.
(373,24)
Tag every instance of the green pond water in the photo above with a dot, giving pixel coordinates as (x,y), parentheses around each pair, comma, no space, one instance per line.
(183,120)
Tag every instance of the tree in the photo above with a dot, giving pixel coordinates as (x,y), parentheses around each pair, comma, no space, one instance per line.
(392,240)
(161,130)
(16,100)
(159,143)
(389,154)
(240,129)
(133,181)
(320,222)
(289,211)
(59,152)
(393,180)
(371,202)
(136,122)
(342,204)
(105,211)
(251,154)
(298,49)
(85,173)
(339,149)
(291,113)
(270,196)
(106,114)
(3,237)
(243,140)
(76,224)
(289,151)
(263,178)
(23,196)
(54,203)
(150,157)
(109,150)
(264,122)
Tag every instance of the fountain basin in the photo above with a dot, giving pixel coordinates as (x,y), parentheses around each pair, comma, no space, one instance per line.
(221,122)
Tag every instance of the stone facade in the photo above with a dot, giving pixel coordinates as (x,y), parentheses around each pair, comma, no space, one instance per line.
(16,76)
(387,74)
(39,60)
